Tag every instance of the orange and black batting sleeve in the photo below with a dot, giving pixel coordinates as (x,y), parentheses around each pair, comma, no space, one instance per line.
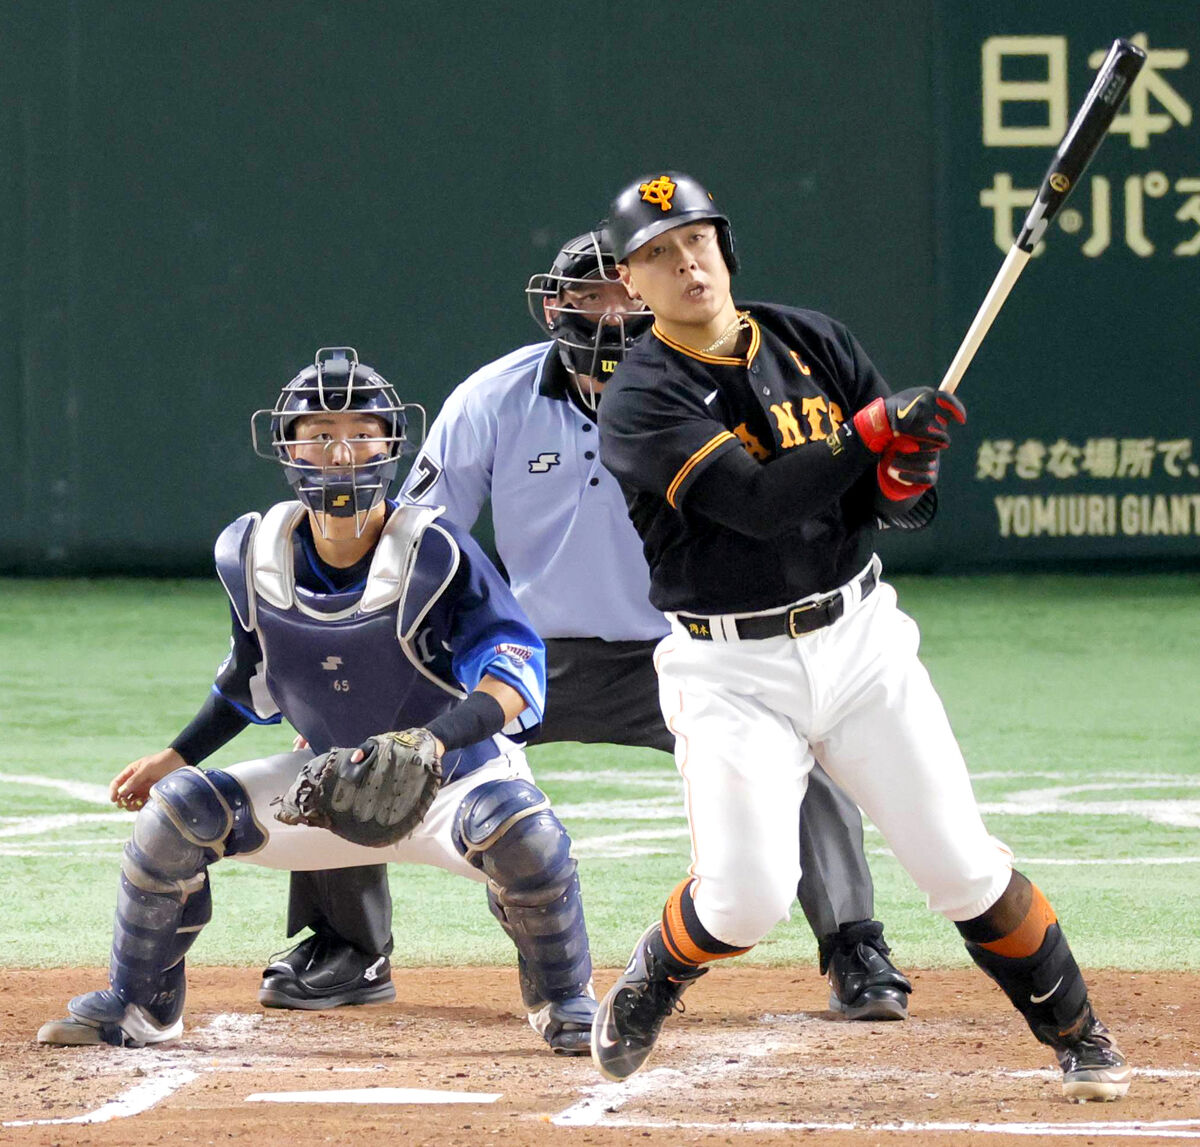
(764,500)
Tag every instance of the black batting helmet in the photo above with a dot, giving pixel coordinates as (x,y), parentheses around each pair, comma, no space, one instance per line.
(659,202)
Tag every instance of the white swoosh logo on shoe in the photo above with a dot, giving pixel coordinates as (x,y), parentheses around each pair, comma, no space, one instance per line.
(373,971)
(603,1040)
(1042,999)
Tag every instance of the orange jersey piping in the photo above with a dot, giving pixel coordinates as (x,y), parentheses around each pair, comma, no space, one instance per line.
(693,462)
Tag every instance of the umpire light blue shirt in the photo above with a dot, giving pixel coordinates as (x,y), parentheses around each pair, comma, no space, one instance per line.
(574,560)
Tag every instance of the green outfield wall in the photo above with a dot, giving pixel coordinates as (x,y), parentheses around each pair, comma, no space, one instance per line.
(194,196)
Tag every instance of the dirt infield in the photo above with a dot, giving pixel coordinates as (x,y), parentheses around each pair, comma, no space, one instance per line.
(756,1059)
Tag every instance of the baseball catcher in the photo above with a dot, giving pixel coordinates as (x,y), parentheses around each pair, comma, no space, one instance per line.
(352,616)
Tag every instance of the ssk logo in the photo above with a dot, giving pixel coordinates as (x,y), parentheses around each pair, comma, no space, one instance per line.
(331,663)
(542,463)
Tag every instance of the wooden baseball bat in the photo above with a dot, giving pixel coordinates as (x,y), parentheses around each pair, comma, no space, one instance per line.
(1083,139)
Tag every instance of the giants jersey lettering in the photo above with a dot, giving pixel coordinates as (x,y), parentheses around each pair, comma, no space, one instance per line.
(671,412)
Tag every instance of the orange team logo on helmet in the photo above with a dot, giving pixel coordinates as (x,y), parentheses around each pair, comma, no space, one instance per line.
(660,191)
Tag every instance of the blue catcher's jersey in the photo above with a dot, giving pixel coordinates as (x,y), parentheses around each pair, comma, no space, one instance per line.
(413,635)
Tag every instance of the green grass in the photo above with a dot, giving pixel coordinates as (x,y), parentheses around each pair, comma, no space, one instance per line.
(1075,699)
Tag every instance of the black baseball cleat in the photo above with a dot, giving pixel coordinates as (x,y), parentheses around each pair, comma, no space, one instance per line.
(1094,1070)
(566,1025)
(324,971)
(630,1017)
(864,984)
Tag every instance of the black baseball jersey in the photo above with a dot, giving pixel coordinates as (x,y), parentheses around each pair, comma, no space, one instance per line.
(743,476)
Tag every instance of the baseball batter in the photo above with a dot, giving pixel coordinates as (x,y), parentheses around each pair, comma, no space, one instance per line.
(758,448)
(522,432)
(352,616)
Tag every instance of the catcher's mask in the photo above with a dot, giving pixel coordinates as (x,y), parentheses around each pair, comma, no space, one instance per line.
(659,202)
(349,477)
(590,342)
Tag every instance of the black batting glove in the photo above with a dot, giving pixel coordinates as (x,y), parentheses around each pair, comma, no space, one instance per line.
(920,412)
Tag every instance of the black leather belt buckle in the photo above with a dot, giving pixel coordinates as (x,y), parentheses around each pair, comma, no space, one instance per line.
(796,621)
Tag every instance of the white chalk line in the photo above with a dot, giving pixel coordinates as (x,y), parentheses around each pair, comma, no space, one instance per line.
(168,1070)
(1118,862)
(666,778)
(599,1103)
(666,807)
(80,790)
(1080,862)
(164,1079)
(1165,1129)
(375,1095)
(37,825)
(140,1097)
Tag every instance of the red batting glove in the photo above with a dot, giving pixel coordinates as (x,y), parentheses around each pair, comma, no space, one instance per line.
(907,469)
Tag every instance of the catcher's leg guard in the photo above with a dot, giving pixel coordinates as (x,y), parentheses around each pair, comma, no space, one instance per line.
(507,830)
(1020,945)
(191,819)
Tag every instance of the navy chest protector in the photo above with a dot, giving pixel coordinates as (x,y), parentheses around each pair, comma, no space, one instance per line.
(345,665)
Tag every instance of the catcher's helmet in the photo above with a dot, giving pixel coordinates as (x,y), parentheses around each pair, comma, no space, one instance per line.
(589,345)
(659,202)
(337,383)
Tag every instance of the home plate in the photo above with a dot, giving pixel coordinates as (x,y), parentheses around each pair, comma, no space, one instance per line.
(374,1095)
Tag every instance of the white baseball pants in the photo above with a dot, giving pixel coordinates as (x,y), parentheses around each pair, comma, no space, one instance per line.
(751,717)
(299,848)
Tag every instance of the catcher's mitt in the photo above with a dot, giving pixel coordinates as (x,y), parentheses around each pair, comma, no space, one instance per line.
(376,801)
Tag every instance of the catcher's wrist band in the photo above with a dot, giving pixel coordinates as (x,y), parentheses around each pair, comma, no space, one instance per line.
(478,717)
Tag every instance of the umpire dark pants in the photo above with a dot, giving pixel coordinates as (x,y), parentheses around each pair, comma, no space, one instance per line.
(606,692)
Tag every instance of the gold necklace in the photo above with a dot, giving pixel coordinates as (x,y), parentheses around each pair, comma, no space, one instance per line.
(740,322)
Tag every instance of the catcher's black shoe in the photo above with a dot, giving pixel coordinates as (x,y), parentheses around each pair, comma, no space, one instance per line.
(104,1017)
(324,971)
(1094,1070)
(863,983)
(630,1017)
(566,1025)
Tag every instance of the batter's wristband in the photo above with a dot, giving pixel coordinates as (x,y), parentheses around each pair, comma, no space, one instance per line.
(873,426)
(478,717)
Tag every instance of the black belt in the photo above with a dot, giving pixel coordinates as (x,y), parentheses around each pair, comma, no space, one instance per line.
(794,621)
